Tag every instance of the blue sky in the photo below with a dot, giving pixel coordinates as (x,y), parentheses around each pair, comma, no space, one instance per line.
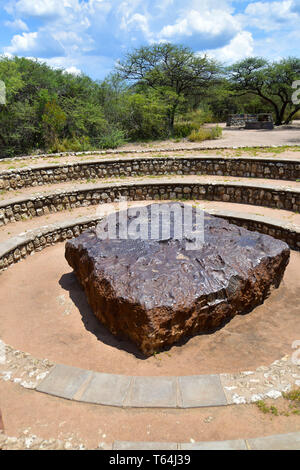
(91,35)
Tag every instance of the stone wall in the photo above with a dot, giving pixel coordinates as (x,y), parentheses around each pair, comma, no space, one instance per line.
(242,167)
(251,121)
(260,195)
(18,248)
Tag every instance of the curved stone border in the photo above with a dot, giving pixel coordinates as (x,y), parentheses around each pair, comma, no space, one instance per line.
(243,193)
(17,248)
(290,441)
(149,150)
(182,392)
(193,391)
(282,169)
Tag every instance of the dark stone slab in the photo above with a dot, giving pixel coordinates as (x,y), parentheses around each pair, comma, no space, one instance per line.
(158,291)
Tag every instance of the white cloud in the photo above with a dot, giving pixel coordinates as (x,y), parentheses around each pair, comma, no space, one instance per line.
(17,24)
(90,34)
(202,25)
(73,70)
(269,16)
(34,44)
(40,8)
(209,22)
(241,46)
(137,22)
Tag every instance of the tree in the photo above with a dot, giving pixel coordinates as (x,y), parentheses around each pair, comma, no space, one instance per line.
(53,120)
(175,72)
(271,82)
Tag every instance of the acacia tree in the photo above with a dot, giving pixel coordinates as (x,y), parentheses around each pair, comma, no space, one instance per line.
(272,82)
(175,72)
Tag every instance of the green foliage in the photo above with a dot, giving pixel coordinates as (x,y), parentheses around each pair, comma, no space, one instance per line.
(53,120)
(271,82)
(115,138)
(159,91)
(144,116)
(290,405)
(293,396)
(192,121)
(183,128)
(49,110)
(205,134)
(174,72)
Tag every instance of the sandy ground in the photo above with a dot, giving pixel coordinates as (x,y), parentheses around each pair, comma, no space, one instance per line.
(284,135)
(96,426)
(47,315)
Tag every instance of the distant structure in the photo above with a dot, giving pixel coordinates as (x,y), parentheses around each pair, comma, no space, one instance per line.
(251,121)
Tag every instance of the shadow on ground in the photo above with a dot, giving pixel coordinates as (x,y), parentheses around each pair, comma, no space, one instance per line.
(70,283)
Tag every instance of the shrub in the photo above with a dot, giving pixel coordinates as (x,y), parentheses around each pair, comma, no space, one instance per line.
(144,117)
(113,139)
(216,132)
(191,121)
(199,117)
(205,134)
(74,144)
(183,129)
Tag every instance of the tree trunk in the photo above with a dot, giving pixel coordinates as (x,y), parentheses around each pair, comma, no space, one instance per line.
(172,120)
(289,118)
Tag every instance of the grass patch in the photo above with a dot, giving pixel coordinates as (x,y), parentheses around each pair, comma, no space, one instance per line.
(291,405)
(205,134)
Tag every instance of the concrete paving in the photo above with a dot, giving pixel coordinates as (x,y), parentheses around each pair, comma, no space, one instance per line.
(289,441)
(201,390)
(134,392)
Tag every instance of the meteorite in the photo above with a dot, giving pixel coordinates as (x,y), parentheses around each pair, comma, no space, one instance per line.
(156,291)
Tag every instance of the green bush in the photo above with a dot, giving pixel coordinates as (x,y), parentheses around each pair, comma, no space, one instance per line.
(113,139)
(183,129)
(205,134)
(199,117)
(191,121)
(74,144)
(143,117)
(216,132)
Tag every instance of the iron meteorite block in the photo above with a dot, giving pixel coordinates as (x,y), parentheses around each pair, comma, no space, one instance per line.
(155,292)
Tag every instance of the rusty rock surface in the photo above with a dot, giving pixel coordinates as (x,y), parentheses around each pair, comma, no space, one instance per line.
(158,291)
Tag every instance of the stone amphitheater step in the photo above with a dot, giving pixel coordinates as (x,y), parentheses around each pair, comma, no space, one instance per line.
(13,250)
(281,216)
(58,187)
(47,173)
(272,194)
(232,145)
